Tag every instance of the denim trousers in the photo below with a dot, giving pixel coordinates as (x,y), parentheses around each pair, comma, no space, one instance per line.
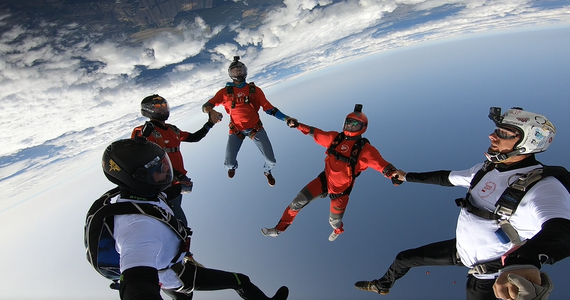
(261,140)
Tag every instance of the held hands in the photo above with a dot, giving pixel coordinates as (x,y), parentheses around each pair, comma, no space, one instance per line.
(523,284)
(291,122)
(215,117)
(398,177)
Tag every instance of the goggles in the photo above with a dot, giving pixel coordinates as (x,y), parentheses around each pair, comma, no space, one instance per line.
(237,71)
(352,125)
(159,104)
(504,134)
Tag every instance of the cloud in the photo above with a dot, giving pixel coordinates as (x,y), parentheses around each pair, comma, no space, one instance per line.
(60,83)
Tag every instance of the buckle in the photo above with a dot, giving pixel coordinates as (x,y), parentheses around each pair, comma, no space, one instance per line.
(478,269)
(461,202)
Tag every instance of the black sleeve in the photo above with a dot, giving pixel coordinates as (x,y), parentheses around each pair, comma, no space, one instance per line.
(200,134)
(140,283)
(435,177)
(549,245)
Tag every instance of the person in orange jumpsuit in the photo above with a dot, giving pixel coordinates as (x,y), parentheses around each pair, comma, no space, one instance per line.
(242,102)
(338,177)
(168,137)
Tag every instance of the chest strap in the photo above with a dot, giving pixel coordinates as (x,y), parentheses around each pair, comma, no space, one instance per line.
(230,92)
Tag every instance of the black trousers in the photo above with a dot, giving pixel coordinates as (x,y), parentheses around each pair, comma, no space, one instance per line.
(213,280)
(442,253)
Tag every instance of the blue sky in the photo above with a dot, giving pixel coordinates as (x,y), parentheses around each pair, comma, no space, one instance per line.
(427,102)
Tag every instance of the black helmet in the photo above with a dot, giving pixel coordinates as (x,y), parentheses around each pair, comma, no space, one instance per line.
(155,107)
(237,70)
(139,166)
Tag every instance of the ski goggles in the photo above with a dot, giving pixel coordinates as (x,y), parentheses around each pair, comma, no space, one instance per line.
(159,104)
(352,125)
(503,134)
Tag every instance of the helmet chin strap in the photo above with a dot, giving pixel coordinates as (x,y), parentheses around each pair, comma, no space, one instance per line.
(495,157)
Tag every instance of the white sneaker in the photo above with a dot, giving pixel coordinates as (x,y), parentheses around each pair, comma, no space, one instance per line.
(333,236)
(271,232)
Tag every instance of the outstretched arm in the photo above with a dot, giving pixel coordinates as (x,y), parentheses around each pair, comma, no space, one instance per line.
(198,135)
(214,116)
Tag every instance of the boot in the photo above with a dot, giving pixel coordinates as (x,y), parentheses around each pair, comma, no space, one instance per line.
(370,286)
(282,293)
(270,232)
(270,179)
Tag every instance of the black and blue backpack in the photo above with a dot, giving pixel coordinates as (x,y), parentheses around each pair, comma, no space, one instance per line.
(98,233)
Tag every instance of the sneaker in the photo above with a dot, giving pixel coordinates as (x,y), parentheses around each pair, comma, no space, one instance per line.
(270,179)
(270,232)
(282,293)
(370,286)
(231,173)
(335,234)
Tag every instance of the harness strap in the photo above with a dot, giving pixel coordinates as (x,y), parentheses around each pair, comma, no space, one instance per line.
(230,92)
(485,214)
(252,133)
(351,160)
(510,199)
(171,150)
(486,268)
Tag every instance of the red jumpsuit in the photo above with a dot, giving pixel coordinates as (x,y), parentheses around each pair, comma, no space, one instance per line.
(337,177)
(243,115)
(169,137)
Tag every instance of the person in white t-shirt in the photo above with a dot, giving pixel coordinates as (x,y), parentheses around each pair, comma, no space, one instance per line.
(151,254)
(496,241)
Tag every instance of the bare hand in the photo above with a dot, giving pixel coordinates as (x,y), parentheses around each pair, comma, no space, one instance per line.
(505,289)
(215,117)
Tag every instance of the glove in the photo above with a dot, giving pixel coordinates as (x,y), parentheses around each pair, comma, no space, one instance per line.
(529,290)
(291,122)
(186,184)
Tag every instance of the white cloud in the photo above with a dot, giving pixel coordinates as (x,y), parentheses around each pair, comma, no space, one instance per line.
(58,94)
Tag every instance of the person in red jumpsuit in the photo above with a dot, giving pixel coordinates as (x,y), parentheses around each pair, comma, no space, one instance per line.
(168,137)
(242,101)
(338,177)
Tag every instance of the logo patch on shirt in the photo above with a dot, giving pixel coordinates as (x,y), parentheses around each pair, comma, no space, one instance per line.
(487,189)
(343,148)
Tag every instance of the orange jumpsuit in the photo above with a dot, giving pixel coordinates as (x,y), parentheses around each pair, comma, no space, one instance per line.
(336,180)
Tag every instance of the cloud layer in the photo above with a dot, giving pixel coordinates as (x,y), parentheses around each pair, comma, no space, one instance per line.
(65,91)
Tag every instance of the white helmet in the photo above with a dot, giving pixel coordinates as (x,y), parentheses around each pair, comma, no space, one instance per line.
(537,133)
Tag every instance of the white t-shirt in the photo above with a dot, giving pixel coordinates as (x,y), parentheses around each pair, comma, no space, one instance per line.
(476,238)
(145,242)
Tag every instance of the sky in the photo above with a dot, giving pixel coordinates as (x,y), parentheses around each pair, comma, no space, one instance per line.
(426,89)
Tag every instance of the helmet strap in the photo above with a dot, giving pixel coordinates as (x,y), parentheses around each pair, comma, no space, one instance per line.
(500,157)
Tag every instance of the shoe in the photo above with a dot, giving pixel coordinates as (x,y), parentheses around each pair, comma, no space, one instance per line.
(370,286)
(270,179)
(231,173)
(282,293)
(270,232)
(335,234)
